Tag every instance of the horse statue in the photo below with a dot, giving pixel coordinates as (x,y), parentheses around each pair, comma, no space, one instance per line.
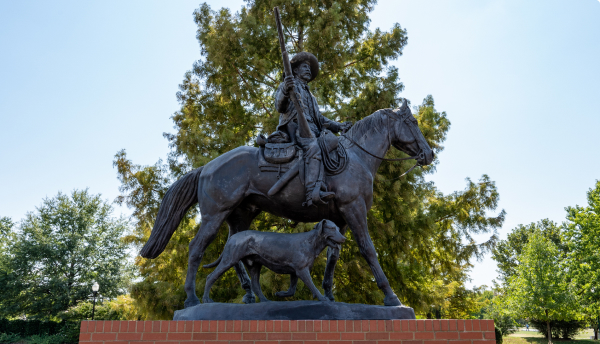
(232,188)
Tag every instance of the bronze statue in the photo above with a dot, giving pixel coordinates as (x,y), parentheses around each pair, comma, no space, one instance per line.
(272,250)
(233,188)
(335,183)
(305,68)
(300,120)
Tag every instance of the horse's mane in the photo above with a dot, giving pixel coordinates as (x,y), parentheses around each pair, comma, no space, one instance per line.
(374,121)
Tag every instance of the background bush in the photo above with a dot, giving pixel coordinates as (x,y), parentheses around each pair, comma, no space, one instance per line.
(560,329)
(39,332)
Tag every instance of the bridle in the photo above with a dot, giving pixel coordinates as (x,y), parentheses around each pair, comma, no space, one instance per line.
(411,126)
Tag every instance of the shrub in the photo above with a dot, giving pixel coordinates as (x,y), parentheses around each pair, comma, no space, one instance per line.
(564,329)
(67,331)
(498,335)
(9,338)
(51,339)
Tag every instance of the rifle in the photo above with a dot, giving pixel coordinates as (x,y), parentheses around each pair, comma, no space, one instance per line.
(303,128)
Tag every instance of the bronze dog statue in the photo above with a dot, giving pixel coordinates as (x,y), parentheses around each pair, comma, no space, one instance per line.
(292,254)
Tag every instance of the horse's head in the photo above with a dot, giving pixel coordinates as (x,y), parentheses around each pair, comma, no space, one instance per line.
(407,137)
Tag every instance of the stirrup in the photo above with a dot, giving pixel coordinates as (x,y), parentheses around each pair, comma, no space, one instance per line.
(318,197)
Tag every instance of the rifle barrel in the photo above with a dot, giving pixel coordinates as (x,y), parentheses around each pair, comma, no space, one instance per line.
(303,128)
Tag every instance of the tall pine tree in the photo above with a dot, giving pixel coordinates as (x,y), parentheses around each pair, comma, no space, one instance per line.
(423,238)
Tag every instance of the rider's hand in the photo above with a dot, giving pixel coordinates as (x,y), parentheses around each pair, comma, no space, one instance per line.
(288,84)
(344,127)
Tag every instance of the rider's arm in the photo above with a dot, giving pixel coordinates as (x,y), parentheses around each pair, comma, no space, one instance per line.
(281,99)
(333,125)
(292,126)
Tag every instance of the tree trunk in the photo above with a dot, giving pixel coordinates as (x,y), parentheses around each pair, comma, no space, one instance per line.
(548,328)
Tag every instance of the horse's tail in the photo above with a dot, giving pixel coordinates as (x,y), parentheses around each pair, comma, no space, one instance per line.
(180,197)
(213,264)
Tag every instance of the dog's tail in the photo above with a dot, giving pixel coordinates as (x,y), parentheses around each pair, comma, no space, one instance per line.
(213,264)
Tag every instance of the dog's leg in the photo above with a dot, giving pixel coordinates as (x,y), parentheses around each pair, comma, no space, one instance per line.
(305,277)
(255,276)
(226,263)
(333,254)
(240,220)
(292,290)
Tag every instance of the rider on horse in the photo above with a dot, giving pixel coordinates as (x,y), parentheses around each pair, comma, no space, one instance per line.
(305,68)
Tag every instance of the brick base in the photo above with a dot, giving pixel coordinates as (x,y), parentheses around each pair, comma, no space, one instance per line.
(289,332)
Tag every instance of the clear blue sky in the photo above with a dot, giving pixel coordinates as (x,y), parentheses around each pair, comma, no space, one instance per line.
(520,81)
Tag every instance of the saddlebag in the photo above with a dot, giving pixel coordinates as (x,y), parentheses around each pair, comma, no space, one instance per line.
(279,153)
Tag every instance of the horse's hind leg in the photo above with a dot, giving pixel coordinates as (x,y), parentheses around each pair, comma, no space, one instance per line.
(206,234)
(333,254)
(240,220)
(255,273)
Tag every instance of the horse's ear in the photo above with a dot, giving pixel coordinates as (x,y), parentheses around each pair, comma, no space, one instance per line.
(404,105)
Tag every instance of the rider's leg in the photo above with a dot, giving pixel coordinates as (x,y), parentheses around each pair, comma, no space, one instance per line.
(313,170)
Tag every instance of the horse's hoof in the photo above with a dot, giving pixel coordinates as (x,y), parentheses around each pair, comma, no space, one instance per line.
(392,300)
(329,295)
(249,298)
(207,300)
(191,302)
(283,294)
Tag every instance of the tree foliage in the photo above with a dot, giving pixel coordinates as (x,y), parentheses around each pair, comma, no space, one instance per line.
(540,288)
(58,251)
(507,252)
(583,236)
(424,238)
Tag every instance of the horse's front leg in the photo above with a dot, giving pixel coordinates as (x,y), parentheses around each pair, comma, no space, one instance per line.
(355,215)
(333,254)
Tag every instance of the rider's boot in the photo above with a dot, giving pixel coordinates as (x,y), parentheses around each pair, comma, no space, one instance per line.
(314,194)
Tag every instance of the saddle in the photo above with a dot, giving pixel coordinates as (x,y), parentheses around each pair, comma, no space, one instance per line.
(285,157)
(274,152)
(278,157)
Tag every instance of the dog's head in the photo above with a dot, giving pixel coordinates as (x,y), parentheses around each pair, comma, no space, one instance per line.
(330,232)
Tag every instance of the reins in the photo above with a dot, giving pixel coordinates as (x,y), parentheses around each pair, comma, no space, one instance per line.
(375,156)
(384,159)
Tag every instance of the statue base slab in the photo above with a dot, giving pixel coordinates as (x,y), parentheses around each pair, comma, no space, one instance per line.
(293,310)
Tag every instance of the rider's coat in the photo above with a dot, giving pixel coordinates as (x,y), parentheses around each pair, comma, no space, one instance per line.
(288,112)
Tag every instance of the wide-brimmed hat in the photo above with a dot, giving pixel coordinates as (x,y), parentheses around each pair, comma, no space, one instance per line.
(310,59)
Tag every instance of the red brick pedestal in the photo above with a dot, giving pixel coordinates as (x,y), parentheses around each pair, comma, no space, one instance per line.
(289,332)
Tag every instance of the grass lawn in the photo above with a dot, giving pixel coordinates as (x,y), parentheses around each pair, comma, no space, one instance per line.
(533,337)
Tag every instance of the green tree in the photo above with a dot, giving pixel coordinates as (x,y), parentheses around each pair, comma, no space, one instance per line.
(57,253)
(539,288)
(583,237)
(6,235)
(423,237)
(6,225)
(507,252)
(504,320)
